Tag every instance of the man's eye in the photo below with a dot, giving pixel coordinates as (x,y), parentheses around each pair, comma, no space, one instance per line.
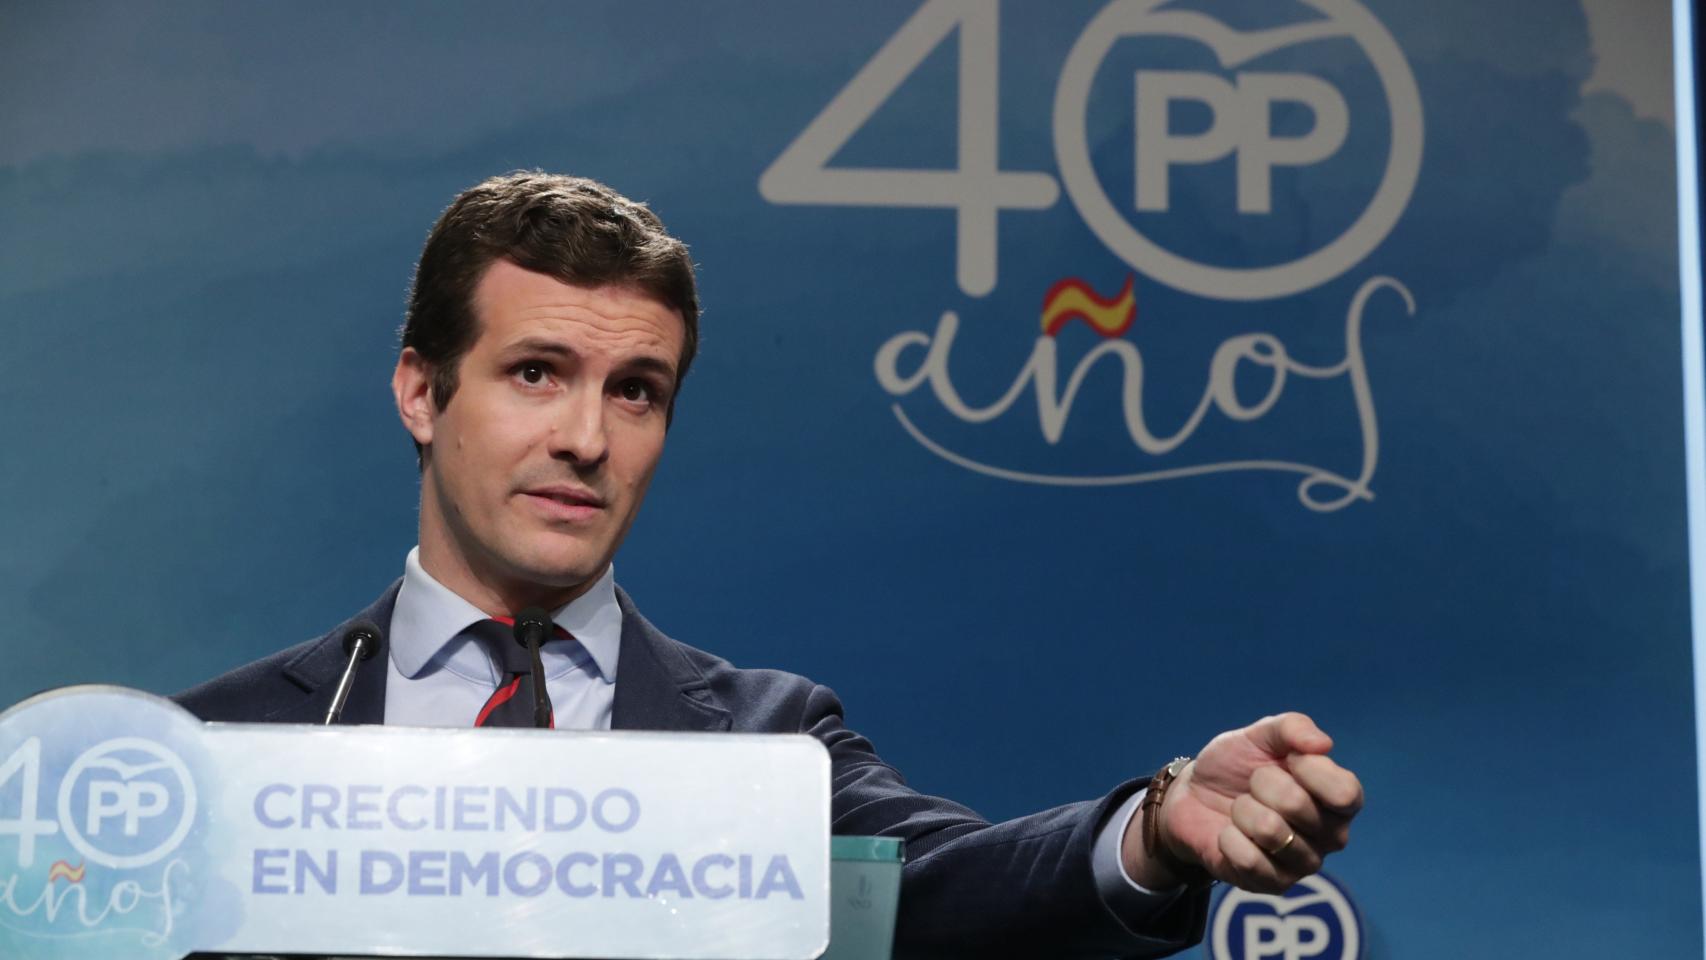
(636,391)
(533,373)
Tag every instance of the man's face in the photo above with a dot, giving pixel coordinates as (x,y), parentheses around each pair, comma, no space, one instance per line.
(536,467)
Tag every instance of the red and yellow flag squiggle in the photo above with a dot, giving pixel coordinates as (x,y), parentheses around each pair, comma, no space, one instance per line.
(61,869)
(1072,299)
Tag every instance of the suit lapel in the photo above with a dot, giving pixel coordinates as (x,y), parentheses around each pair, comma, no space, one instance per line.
(319,668)
(657,687)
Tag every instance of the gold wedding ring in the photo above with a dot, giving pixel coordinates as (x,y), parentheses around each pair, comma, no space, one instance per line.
(1283,846)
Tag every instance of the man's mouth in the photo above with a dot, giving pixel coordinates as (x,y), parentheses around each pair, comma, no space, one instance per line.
(566,503)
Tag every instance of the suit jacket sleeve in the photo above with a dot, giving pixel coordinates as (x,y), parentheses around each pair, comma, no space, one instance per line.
(1023,888)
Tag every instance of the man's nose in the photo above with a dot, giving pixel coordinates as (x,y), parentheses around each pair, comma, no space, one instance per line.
(578,431)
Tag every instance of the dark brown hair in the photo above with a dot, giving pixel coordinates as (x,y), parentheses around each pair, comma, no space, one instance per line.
(571,228)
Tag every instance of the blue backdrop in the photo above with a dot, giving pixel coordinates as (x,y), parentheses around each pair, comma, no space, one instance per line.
(1453,533)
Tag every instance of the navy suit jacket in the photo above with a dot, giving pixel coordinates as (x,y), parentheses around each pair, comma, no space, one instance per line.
(1023,888)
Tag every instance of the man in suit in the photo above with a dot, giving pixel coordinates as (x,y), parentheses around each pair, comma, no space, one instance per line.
(549,328)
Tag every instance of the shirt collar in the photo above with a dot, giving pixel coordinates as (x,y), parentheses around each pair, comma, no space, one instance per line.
(429,616)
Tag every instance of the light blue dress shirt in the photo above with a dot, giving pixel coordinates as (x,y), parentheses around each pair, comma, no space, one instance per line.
(441,677)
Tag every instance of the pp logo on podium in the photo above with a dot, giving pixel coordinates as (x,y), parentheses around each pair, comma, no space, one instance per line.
(123,803)
(1314,920)
(127,802)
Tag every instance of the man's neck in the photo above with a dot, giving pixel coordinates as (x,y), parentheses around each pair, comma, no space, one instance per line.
(495,596)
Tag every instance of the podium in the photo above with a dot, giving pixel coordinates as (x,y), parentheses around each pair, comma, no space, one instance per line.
(129,828)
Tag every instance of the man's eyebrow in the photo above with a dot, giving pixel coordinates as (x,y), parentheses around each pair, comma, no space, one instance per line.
(651,364)
(535,346)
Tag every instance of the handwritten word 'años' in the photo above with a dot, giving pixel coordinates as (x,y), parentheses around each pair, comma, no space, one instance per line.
(122,899)
(1041,372)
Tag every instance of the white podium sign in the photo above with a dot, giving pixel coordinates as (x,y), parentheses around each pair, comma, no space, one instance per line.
(129,828)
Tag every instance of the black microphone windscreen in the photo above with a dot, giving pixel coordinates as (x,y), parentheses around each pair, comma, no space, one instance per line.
(532,622)
(358,630)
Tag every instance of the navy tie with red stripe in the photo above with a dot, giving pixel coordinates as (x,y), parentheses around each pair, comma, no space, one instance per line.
(511,704)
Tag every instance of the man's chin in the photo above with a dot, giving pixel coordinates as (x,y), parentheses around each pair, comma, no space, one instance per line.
(568,575)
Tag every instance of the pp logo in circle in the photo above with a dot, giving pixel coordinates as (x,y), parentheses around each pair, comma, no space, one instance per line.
(1314,920)
(1242,128)
(126,802)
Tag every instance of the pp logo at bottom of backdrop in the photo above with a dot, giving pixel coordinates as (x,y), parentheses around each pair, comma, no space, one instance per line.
(1314,920)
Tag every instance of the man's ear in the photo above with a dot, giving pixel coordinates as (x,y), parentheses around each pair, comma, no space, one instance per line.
(411,385)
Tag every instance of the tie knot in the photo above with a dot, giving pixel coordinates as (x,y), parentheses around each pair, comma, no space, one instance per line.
(498,637)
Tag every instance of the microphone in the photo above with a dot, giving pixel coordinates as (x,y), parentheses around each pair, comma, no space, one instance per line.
(532,626)
(361,642)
